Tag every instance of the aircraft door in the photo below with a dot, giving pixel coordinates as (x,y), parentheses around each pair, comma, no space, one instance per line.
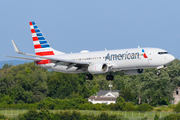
(164,57)
(149,55)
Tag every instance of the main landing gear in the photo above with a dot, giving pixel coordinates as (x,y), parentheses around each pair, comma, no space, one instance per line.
(110,77)
(89,77)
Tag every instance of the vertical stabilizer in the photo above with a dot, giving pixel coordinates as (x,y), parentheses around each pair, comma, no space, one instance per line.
(41,45)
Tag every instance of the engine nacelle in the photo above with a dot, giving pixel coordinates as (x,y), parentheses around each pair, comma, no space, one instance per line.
(133,72)
(98,68)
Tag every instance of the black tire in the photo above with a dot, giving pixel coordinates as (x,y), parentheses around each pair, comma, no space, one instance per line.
(111,77)
(158,73)
(108,77)
(86,77)
(90,77)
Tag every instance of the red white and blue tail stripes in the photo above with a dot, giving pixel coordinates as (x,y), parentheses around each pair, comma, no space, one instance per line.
(41,45)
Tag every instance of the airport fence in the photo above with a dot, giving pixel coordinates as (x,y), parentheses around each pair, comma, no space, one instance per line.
(131,115)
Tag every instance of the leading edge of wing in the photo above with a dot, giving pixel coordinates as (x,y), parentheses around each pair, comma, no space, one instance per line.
(58,59)
(33,59)
(44,57)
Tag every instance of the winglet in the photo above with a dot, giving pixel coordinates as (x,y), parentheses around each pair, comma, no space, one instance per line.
(19,52)
(15,47)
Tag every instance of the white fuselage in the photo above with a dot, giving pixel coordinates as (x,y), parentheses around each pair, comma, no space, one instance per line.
(117,60)
(131,61)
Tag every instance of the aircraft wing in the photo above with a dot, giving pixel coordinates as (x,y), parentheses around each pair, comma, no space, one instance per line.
(34,59)
(55,60)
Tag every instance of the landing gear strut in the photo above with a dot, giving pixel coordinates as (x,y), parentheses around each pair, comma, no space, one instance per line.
(89,77)
(158,72)
(110,77)
(160,67)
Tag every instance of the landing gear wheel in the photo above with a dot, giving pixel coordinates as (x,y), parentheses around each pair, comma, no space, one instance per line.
(89,77)
(86,77)
(159,72)
(112,77)
(109,77)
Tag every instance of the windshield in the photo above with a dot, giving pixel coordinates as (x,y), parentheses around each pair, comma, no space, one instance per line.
(162,53)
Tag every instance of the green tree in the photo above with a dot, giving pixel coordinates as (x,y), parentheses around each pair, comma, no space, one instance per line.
(25,83)
(177,108)
(62,85)
(6,65)
(126,94)
(145,107)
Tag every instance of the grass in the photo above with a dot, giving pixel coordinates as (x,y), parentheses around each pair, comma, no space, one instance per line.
(13,113)
(164,108)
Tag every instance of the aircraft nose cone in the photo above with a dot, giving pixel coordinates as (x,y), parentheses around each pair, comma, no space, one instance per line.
(171,58)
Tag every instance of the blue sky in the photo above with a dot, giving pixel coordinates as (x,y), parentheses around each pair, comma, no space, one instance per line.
(75,25)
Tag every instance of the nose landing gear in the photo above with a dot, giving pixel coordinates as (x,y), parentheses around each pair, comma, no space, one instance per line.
(160,67)
(158,72)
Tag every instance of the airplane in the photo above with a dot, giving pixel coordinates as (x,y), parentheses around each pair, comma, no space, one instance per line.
(131,61)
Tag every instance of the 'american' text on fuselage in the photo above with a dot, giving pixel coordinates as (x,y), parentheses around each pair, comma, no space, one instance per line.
(122,56)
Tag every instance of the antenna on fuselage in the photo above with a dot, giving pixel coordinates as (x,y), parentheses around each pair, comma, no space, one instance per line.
(138,46)
(105,49)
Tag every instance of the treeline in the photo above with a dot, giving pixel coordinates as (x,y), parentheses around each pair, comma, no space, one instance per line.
(33,114)
(67,115)
(80,104)
(151,88)
(29,84)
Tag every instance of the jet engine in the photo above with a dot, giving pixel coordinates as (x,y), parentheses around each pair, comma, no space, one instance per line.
(133,72)
(98,68)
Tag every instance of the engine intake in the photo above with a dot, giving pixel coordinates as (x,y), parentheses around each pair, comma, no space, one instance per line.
(98,68)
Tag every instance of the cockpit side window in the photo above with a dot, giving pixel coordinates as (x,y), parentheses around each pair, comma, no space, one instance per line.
(161,53)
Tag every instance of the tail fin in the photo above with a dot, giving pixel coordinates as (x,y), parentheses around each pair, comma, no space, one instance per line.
(41,45)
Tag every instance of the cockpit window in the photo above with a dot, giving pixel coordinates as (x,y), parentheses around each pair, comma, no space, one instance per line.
(162,53)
